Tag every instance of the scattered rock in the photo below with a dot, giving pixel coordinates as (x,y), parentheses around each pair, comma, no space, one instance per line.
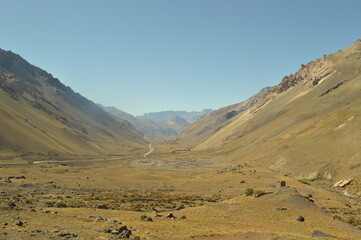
(105,230)
(308,196)
(170,215)
(102,206)
(123,232)
(61,204)
(99,219)
(8,180)
(21,177)
(179,207)
(146,218)
(67,234)
(20,223)
(340,185)
(11,204)
(281,209)
(317,233)
(242,181)
(183,217)
(283,184)
(114,222)
(300,219)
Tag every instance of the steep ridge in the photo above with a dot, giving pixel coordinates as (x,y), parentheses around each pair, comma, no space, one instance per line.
(39,115)
(308,125)
(208,124)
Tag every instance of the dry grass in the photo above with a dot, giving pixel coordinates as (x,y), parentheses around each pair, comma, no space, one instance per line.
(72,197)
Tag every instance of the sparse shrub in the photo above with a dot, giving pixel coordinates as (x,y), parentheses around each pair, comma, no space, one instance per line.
(249,192)
(49,204)
(61,205)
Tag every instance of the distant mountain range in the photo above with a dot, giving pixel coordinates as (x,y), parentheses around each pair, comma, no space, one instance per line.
(41,116)
(159,124)
(167,115)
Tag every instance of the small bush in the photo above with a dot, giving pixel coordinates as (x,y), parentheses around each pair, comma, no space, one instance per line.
(249,192)
(61,205)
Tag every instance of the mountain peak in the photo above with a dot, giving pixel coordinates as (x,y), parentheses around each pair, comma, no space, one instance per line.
(357,42)
(356,46)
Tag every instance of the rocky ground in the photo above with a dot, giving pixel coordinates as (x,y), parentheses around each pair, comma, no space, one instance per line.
(142,200)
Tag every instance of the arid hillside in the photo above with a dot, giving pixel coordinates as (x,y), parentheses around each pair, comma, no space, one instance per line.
(41,116)
(308,125)
(209,124)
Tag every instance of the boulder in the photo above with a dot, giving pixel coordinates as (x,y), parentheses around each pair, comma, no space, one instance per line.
(342,184)
(316,234)
(146,218)
(19,223)
(170,215)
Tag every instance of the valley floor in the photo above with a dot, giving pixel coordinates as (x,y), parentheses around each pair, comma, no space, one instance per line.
(94,199)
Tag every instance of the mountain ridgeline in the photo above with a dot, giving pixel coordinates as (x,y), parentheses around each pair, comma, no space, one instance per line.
(41,116)
(164,125)
(167,115)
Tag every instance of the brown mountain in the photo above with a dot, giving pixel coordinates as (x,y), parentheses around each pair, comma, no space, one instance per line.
(40,115)
(308,125)
(209,124)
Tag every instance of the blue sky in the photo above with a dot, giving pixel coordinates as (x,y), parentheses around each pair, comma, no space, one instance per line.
(156,55)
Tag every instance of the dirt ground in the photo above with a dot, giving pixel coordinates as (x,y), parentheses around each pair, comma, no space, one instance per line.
(94,199)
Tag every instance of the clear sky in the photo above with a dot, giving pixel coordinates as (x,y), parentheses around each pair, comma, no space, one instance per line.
(156,55)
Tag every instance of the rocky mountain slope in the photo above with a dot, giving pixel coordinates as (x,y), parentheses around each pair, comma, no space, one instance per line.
(210,123)
(308,125)
(39,115)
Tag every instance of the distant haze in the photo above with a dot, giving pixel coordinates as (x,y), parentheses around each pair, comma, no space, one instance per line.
(167,115)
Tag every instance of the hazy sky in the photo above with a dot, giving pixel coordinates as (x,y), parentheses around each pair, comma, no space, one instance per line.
(153,55)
